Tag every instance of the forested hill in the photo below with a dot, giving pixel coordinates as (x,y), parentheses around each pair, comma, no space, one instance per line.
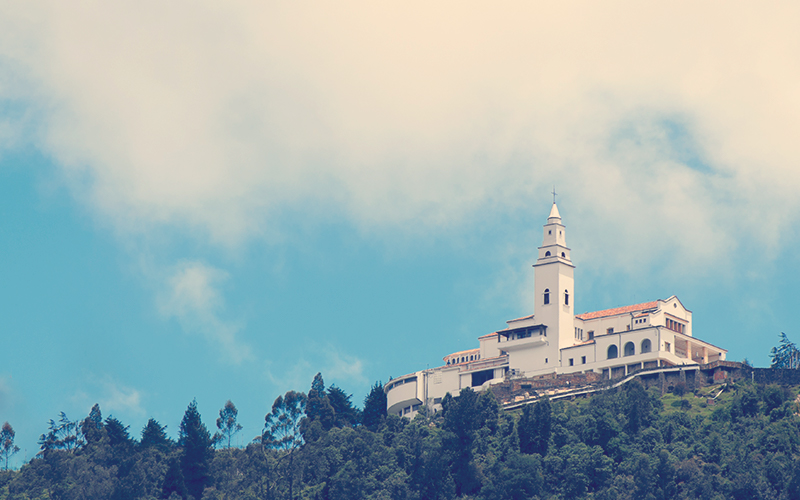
(629,443)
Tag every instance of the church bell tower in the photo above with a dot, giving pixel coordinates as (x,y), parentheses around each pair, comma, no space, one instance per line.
(555,284)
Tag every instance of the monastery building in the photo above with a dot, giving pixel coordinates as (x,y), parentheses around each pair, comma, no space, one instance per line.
(613,342)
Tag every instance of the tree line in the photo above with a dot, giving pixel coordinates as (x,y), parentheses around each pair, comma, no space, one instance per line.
(625,443)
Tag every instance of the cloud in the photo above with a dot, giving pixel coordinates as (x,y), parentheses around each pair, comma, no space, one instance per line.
(336,367)
(344,368)
(114,398)
(190,294)
(121,399)
(416,117)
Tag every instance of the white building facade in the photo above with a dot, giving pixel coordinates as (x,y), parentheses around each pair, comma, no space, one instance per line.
(554,340)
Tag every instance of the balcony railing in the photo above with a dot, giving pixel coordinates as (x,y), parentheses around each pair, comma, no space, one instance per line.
(484,364)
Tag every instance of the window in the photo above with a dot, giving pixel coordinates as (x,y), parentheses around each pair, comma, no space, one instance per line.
(667,346)
(612,352)
(583,360)
(591,334)
(566,297)
(547,253)
(571,362)
(545,360)
(550,231)
(646,345)
(630,350)
(546,296)
(563,255)
(610,331)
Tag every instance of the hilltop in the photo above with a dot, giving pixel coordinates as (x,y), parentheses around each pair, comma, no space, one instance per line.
(733,439)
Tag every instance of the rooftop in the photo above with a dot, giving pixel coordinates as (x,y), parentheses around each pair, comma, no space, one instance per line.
(520,319)
(618,310)
(462,353)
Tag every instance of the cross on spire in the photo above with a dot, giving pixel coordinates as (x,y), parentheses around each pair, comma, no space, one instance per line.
(554,194)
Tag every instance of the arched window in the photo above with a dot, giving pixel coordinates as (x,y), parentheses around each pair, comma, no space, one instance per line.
(612,352)
(566,297)
(547,253)
(546,296)
(563,255)
(630,349)
(646,345)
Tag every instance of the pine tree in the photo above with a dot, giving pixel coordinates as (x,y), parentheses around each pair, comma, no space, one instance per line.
(319,412)
(195,441)
(154,435)
(374,407)
(344,413)
(117,433)
(92,425)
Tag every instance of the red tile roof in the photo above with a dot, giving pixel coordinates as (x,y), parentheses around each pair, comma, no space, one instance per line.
(618,310)
(460,353)
(520,319)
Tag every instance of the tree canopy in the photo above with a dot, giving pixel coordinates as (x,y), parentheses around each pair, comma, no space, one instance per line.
(738,440)
(786,354)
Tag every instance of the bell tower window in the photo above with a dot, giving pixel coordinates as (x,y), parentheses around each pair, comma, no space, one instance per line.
(566,297)
(546,296)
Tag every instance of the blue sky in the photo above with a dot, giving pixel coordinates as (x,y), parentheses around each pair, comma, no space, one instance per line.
(217,202)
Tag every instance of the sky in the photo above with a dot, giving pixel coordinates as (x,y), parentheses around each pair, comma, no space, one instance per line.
(218,200)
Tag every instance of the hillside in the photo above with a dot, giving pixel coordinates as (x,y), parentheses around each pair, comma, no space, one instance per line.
(734,440)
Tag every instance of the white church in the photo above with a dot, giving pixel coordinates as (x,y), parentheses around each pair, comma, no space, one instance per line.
(612,342)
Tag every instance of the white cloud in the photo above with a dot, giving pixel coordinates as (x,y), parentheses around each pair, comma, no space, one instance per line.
(191,295)
(114,398)
(338,368)
(120,399)
(343,367)
(415,116)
